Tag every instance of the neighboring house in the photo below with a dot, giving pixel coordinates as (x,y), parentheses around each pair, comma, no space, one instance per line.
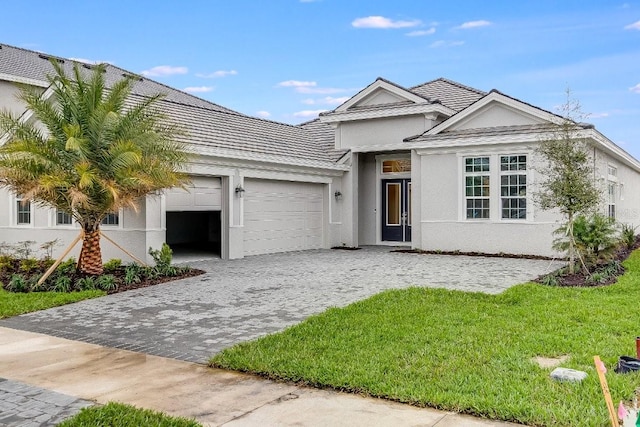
(439,166)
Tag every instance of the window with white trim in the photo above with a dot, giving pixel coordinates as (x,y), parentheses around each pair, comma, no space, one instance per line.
(396,166)
(476,187)
(63,218)
(23,211)
(513,186)
(111,219)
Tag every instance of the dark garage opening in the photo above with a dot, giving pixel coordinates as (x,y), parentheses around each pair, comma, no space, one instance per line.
(194,234)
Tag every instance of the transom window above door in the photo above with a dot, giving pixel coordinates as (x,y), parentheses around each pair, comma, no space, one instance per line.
(396,166)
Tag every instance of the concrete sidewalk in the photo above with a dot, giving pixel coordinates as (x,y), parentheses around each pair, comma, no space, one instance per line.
(212,396)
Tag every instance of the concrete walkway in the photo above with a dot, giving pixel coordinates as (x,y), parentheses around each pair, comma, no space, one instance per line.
(77,372)
(243,299)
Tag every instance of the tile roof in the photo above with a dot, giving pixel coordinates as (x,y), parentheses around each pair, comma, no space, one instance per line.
(208,125)
(324,137)
(450,94)
(33,65)
(230,133)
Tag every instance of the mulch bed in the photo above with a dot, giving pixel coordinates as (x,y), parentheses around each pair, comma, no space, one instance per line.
(581,279)
(149,282)
(482,254)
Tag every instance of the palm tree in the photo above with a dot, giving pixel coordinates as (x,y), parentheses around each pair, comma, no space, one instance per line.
(89,150)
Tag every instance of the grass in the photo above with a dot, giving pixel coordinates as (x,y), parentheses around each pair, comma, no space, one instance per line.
(120,415)
(465,352)
(13,304)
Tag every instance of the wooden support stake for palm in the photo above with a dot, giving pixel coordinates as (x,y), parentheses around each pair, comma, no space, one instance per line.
(605,390)
(60,258)
(124,250)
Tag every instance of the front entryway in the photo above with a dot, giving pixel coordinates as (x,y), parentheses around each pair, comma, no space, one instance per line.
(396,210)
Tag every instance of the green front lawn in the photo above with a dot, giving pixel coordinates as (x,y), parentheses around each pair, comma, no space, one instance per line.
(13,304)
(119,415)
(465,352)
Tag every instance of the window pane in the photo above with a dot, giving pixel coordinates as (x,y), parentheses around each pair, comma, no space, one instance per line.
(396,166)
(111,219)
(63,218)
(23,210)
(393,204)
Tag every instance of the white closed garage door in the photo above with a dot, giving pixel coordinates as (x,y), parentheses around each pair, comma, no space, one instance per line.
(203,194)
(282,216)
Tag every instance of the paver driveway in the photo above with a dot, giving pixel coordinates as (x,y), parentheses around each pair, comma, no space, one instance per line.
(239,300)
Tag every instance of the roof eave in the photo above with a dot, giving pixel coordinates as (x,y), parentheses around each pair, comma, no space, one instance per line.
(392,111)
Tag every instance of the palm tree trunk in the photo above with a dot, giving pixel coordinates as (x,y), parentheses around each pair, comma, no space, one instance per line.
(90,261)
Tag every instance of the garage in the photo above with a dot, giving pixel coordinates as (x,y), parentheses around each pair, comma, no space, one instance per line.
(194,218)
(282,216)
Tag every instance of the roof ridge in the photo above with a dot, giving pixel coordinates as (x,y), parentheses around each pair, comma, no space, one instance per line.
(451,82)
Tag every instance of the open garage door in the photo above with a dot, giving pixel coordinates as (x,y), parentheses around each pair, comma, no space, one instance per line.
(194,218)
(282,216)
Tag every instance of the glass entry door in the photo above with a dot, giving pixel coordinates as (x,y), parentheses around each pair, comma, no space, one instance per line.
(396,210)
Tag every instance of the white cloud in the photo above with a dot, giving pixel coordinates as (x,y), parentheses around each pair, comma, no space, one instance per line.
(420,33)
(598,115)
(217,74)
(310,87)
(445,43)
(198,89)
(474,24)
(296,84)
(263,114)
(635,89)
(382,22)
(634,26)
(90,61)
(327,100)
(164,70)
(320,90)
(308,113)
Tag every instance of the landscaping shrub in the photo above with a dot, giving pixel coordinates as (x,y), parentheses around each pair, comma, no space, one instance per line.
(112,265)
(596,238)
(22,274)
(628,235)
(163,256)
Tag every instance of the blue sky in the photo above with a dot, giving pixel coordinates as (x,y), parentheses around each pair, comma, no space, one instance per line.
(286,60)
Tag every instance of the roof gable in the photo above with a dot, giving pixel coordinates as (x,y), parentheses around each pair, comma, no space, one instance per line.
(495,110)
(381,92)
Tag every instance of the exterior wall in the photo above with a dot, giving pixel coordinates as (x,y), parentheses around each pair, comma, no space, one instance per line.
(8,101)
(496,115)
(443,223)
(381,97)
(627,182)
(379,131)
(367,200)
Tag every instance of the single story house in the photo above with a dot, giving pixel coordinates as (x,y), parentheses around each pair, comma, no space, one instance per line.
(438,166)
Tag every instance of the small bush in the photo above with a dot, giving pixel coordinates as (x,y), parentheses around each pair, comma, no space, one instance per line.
(628,235)
(163,256)
(62,284)
(112,265)
(18,283)
(131,274)
(6,262)
(27,265)
(67,267)
(595,237)
(87,283)
(107,282)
